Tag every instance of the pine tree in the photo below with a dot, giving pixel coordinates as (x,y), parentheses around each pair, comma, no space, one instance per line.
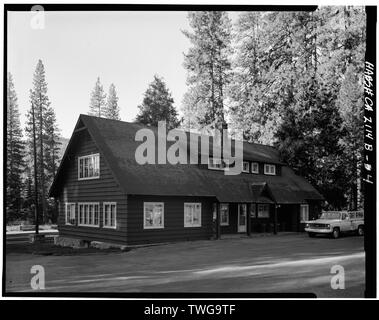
(40,103)
(112,110)
(52,144)
(310,144)
(158,105)
(52,149)
(295,85)
(15,153)
(350,106)
(275,56)
(98,100)
(208,65)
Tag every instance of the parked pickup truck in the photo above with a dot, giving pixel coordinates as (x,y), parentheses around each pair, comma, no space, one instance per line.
(336,222)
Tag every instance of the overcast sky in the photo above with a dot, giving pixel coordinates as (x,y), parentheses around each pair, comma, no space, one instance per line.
(124,48)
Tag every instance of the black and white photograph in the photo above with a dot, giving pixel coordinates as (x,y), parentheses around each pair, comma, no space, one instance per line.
(191,151)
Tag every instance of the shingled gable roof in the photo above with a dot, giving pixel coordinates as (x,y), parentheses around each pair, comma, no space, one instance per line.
(116,143)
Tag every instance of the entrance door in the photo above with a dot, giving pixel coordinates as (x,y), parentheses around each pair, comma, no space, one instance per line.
(242,217)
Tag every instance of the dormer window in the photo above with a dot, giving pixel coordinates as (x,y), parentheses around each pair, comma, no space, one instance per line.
(254,167)
(269,169)
(89,167)
(246,166)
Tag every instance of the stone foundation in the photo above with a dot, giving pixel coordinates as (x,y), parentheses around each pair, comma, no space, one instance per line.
(70,242)
(78,243)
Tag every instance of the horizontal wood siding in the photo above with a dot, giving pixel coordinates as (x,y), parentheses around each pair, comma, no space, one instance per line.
(174,229)
(104,189)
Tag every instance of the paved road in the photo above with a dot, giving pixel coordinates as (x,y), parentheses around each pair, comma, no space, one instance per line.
(283,263)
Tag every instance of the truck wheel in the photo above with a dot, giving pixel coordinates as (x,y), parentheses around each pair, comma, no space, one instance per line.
(360,231)
(311,234)
(336,233)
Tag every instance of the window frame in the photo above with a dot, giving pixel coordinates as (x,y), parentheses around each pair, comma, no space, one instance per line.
(268,211)
(224,223)
(93,225)
(215,168)
(268,172)
(110,203)
(89,156)
(252,165)
(144,215)
(304,205)
(248,166)
(192,225)
(66,220)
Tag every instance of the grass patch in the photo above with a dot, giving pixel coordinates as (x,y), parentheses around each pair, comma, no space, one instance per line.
(49,249)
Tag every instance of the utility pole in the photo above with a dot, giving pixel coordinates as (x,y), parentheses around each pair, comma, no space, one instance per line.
(35,172)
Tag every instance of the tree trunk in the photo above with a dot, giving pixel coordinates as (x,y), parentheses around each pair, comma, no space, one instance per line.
(35,172)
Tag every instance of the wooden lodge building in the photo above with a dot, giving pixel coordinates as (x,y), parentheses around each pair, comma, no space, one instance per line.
(105,195)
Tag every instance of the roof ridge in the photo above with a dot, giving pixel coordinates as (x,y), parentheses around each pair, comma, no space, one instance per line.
(181,129)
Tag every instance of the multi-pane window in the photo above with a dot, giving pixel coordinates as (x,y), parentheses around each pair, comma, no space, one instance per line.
(304,212)
(192,214)
(109,214)
(254,167)
(70,213)
(89,214)
(153,215)
(263,211)
(224,214)
(215,164)
(269,169)
(245,166)
(89,167)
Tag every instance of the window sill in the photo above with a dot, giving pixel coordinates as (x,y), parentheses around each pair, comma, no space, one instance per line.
(89,178)
(152,228)
(89,225)
(109,227)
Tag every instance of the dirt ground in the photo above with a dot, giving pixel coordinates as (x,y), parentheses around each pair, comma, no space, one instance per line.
(282,263)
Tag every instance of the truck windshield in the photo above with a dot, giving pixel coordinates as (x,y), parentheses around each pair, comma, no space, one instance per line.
(331,215)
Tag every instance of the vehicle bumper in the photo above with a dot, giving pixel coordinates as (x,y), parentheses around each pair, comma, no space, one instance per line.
(318,230)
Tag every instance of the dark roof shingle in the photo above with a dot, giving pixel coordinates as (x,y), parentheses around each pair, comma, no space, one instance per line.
(116,142)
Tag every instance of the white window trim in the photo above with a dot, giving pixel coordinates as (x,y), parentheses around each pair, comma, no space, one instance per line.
(65,212)
(87,156)
(186,225)
(252,166)
(304,205)
(267,171)
(144,215)
(225,223)
(115,217)
(98,218)
(248,169)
